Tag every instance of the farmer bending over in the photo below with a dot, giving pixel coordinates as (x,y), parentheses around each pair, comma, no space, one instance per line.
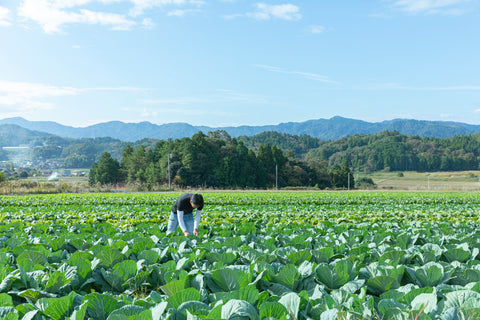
(182,214)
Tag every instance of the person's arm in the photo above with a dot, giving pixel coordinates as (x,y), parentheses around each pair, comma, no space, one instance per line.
(198,215)
(181,222)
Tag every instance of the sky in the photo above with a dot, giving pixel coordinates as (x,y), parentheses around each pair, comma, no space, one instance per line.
(239,62)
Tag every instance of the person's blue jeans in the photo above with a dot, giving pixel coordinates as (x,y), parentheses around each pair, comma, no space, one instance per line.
(173,222)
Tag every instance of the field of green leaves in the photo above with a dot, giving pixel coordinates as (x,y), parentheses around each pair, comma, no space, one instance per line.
(260,255)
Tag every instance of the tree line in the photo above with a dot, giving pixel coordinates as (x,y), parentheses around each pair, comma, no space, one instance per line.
(219,161)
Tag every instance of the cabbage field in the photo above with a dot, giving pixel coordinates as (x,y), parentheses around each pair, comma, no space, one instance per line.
(260,255)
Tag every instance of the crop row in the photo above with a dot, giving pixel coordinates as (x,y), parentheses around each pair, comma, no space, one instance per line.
(303,208)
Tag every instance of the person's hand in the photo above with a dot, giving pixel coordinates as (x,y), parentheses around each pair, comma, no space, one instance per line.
(185,233)
(195,232)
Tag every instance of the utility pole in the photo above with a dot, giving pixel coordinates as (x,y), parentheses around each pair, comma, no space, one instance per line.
(276,177)
(349,181)
(169,176)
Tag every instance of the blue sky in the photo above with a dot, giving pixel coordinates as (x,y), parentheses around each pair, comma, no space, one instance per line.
(239,62)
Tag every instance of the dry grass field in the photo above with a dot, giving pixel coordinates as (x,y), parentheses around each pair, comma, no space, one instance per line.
(426,181)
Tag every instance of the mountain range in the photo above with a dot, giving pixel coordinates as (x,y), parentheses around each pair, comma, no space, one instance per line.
(325,129)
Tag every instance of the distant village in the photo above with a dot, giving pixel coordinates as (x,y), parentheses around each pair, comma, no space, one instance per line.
(38,170)
(19,166)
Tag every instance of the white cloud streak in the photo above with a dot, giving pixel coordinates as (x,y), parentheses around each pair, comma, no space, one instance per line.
(172,101)
(23,96)
(5,16)
(431,6)
(282,11)
(35,90)
(306,75)
(29,96)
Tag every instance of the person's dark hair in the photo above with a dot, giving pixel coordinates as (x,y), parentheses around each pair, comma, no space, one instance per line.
(197,199)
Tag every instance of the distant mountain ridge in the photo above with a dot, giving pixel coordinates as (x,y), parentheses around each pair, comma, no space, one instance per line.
(325,129)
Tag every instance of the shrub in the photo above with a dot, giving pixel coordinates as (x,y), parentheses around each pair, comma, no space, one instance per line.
(365,183)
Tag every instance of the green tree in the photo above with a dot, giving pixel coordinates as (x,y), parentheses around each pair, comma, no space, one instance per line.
(342,177)
(92,179)
(48,152)
(77,161)
(107,170)
(336,176)
(318,173)
(268,158)
(126,164)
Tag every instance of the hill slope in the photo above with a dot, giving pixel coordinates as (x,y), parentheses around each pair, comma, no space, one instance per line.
(13,135)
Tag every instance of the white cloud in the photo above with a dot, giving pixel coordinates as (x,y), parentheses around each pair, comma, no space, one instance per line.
(172,101)
(23,96)
(28,96)
(5,16)
(181,13)
(307,75)
(282,11)
(53,15)
(316,29)
(117,21)
(141,5)
(232,16)
(147,23)
(34,90)
(431,6)
(132,89)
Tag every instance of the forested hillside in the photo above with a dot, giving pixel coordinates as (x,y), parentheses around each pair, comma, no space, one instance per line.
(215,160)
(387,150)
(298,145)
(396,152)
